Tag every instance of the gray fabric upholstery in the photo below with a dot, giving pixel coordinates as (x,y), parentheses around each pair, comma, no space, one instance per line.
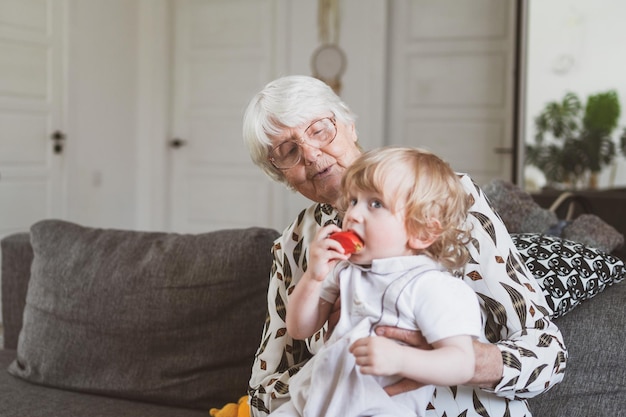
(159,317)
(595,378)
(17,255)
(22,399)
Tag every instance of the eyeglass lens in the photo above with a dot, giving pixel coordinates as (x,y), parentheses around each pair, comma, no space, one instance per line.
(319,134)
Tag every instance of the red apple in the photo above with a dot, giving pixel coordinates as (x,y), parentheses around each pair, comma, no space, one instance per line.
(350,241)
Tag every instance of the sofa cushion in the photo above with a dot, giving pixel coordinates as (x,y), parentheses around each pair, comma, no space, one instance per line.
(160,317)
(595,380)
(568,272)
(23,399)
(17,255)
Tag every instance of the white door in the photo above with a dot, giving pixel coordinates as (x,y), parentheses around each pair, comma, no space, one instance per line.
(224,52)
(31,111)
(451,82)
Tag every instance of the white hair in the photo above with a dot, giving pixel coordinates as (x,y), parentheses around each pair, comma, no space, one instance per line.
(287,102)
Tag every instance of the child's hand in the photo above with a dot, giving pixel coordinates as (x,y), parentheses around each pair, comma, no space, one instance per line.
(324,253)
(377,356)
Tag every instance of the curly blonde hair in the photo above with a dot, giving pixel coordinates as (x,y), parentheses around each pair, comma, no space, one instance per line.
(430,194)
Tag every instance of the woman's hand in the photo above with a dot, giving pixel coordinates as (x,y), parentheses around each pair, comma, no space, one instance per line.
(402,386)
(408,337)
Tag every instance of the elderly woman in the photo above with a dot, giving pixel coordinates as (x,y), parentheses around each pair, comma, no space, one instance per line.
(300,133)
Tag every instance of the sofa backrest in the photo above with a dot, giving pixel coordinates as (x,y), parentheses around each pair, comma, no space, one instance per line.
(17,256)
(595,376)
(160,317)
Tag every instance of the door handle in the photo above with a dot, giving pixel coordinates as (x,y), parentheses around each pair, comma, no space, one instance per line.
(57,138)
(177,143)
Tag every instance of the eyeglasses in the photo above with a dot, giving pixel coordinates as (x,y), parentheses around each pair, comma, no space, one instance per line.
(320,133)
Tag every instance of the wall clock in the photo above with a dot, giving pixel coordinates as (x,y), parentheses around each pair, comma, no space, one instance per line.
(328,64)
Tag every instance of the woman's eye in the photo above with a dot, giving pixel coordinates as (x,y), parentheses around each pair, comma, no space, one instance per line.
(318,131)
(287,149)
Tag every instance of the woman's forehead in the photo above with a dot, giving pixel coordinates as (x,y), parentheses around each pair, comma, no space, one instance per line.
(301,119)
(291,127)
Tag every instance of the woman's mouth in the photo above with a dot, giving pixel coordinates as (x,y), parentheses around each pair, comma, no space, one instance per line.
(322,173)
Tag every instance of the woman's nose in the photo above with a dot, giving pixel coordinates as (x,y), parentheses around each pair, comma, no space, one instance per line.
(309,153)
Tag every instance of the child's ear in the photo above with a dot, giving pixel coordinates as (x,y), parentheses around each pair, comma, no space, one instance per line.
(425,238)
(421,242)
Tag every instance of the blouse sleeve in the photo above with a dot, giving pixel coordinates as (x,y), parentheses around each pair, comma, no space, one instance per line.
(279,356)
(515,314)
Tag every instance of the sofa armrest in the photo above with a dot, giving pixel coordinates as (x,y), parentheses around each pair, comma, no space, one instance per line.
(17,256)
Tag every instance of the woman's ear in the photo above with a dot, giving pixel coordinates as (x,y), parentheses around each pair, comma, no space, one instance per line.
(352,129)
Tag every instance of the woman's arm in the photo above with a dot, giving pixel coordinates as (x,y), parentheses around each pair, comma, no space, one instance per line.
(532,356)
(488,365)
(279,356)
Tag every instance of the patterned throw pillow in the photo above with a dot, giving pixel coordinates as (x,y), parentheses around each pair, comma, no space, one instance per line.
(567,271)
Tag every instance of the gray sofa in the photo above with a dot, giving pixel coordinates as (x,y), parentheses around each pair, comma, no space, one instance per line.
(122,323)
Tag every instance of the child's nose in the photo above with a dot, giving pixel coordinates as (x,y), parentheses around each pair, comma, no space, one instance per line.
(354,214)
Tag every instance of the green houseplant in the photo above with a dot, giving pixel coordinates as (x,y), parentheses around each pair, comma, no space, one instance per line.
(574,143)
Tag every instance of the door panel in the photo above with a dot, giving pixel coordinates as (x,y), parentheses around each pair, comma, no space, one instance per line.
(451,82)
(31,109)
(225,51)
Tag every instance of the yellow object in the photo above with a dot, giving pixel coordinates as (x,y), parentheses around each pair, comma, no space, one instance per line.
(241,409)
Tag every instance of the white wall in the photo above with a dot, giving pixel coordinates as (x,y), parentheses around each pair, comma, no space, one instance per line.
(578,46)
(108,140)
(105,80)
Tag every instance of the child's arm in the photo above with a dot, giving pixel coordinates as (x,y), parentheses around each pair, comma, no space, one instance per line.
(450,362)
(306,311)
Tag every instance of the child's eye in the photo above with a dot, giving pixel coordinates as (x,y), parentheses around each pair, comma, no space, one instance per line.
(376,204)
(352,202)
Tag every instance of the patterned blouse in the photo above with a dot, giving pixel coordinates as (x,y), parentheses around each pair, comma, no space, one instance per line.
(514,312)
